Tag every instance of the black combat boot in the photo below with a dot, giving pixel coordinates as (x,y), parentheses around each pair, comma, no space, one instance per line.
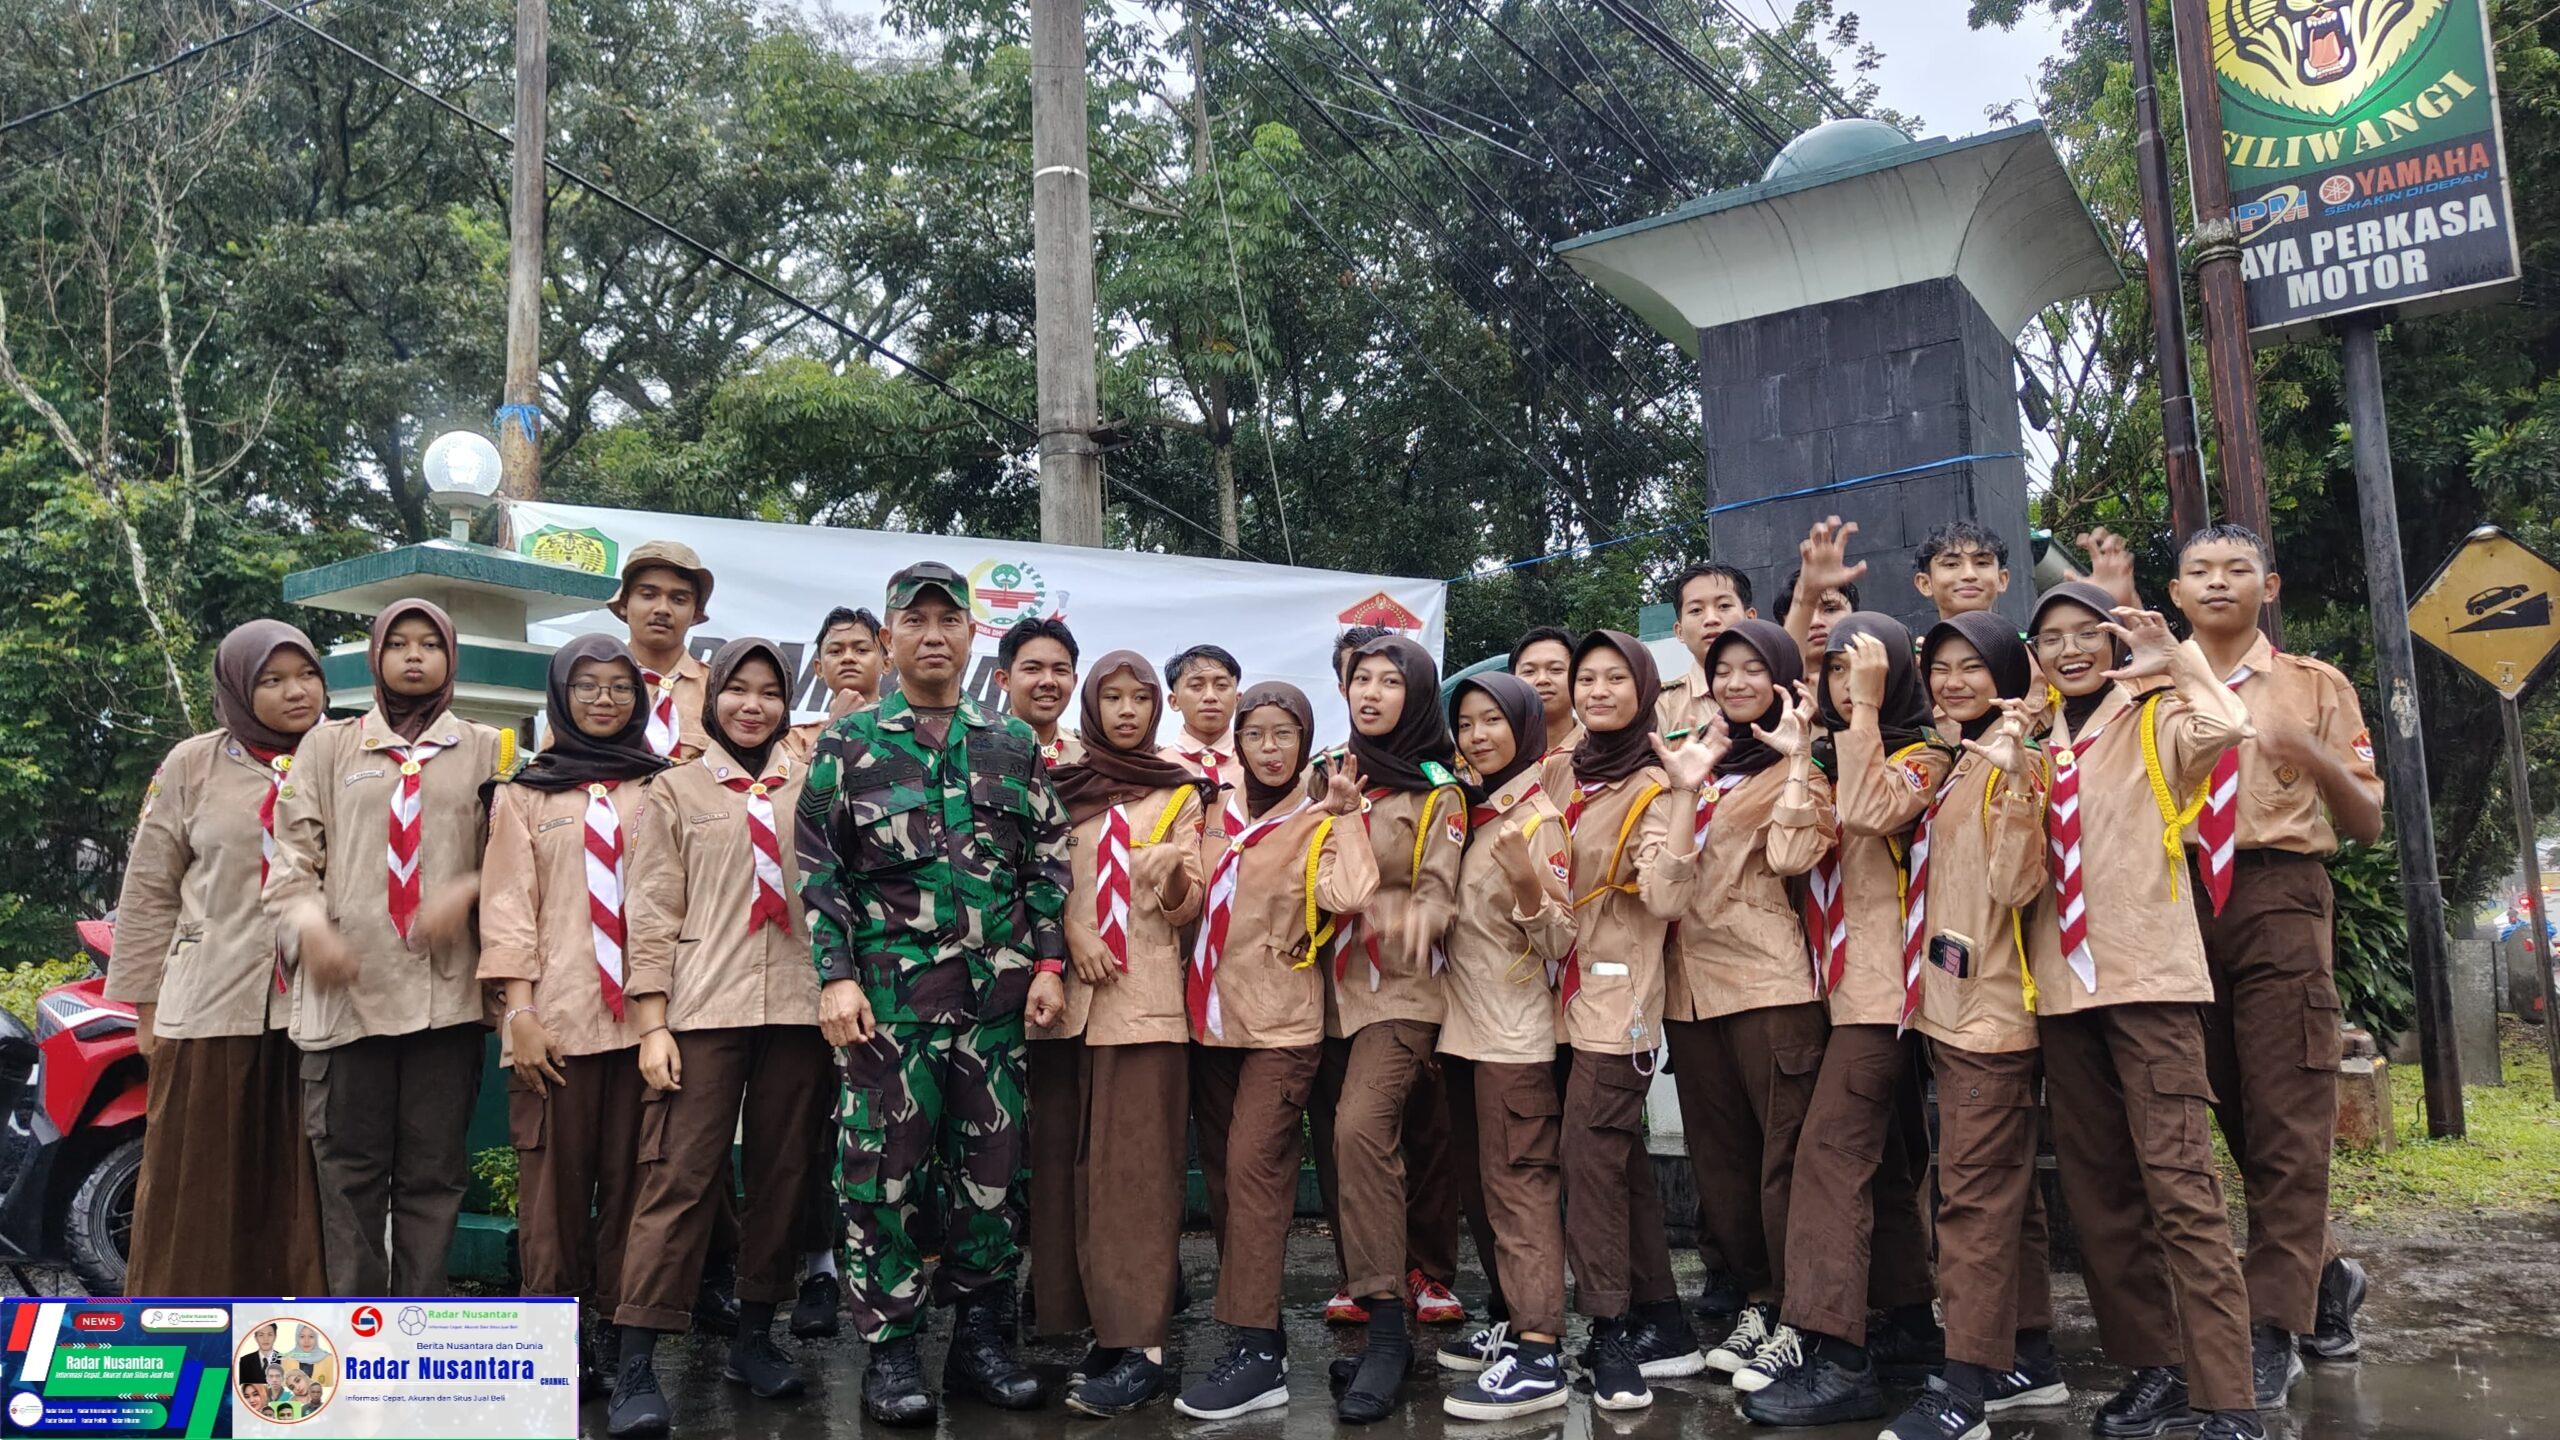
(893,1385)
(981,1361)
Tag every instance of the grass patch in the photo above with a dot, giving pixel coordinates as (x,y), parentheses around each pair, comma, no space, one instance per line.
(2510,1160)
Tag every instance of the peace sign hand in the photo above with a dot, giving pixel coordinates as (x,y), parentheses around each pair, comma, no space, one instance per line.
(1342,788)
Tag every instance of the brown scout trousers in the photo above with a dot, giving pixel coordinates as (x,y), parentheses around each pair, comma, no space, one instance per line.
(1993,1266)
(389,1117)
(197,1199)
(576,1177)
(1613,1210)
(1251,1106)
(1506,1135)
(1430,1167)
(2133,1130)
(2269,951)
(1387,1063)
(1745,1082)
(1125,1189)
(776,1077)
(1054,1085)
(1857,1236)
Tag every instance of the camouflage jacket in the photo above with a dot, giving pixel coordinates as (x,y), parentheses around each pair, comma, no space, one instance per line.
(936,878)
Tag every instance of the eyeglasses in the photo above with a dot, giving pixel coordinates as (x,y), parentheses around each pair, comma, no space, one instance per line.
(2092,638)
(1254,737)
(588,691)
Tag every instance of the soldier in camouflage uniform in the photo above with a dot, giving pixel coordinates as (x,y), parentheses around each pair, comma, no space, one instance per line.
(935,856)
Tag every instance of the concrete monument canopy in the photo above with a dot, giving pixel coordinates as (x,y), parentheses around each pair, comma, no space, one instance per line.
(1997,212)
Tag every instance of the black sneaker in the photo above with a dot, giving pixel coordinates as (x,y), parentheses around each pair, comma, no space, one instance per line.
(1253,1375)
(1720,1301)
(1905,1352)
(2273,1365)
(2233,1425)
(1817,1390)
(638,1406)
(1518,1382)
(893,1384)
(2152,1403)
(1750,1331)
(1941,1413)
(595,1362)
(2034,1382)
(1662,1342)
(759,1364)
(715,1301)
(1132,1382)
(1471,1353)
(1784,1350)
(814,1314)
(2342,1289)
(1617,1380)
(1097,1361)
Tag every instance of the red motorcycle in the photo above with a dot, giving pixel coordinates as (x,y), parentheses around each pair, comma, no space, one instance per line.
(75,1094)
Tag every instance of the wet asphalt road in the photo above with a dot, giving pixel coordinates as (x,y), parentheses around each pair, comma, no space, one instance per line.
(2446,1359)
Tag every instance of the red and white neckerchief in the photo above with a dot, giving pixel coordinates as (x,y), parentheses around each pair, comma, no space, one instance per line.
(1201,989)
(766,843)
(1111,885)
(1826,922)
(664,732)
(278,763)
(1479,816)
(408,807)
(1210,763)
(2218,826)
(1915,903)
(605,890)
(2062,828)
(1054,754)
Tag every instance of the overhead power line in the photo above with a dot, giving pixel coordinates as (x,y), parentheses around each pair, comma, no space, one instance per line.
(1840,105)
(1729,95)
(147,71)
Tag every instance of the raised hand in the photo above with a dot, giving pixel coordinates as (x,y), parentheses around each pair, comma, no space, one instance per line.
(2006,744)
(1824,554)
(1689,763)
(1511,853)
(2110,563)
(1342,787)
(1793,732)
(2147,635)
(1868,666)
(1152,865)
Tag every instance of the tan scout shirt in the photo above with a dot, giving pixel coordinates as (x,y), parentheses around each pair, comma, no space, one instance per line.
(534,919)
(1684,704)
(1986,867)
(2280,807)
(1622,910)
(2141,918)
(1418,862)
(1145,1005)
(190,935)
(1226,813)
(693,884)
(1555,768)
(691,680)
(1880,798)
(1067,749)
(1501,1007)
(801,741)
(333,827)
(1742,944)
(1270,980)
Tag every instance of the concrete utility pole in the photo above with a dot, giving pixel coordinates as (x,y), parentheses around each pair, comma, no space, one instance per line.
(519,441)
(2188,511)
(2226,304)
(1062,278)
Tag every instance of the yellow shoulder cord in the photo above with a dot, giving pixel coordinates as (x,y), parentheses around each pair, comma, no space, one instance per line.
(1319,927)
(2017,922)
(1164,821)
(506,750)
(2174,821)
(1422,834)
(1609,877)
(1512,972)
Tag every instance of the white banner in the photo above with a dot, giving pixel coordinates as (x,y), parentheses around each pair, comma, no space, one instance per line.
(779,581)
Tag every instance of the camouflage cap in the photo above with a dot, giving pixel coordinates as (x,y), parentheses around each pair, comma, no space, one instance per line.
(925,575)
(665,555)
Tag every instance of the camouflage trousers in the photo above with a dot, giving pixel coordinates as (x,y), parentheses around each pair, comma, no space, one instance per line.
(919,1099)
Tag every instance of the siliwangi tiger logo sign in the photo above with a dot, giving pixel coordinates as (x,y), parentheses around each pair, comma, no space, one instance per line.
(2318,57)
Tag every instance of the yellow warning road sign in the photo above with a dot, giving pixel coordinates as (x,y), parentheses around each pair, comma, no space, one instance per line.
(2490,609)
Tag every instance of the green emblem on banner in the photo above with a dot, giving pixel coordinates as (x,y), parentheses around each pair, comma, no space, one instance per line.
(587,549)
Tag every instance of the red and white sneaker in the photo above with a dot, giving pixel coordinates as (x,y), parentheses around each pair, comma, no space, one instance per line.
(1343,1310)
(1432,1302)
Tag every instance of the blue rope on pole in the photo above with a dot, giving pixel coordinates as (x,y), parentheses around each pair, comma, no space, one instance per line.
(527,416)
(1905,473)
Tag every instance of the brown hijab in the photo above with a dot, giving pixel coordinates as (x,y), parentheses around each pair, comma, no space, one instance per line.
(1996,640)
(2089,596)
(1522,710)
(724,664)
(245,652)
(410,715)
(1749,754)
(1607,756)
(1421,732)
(1258,797)
(1109,776)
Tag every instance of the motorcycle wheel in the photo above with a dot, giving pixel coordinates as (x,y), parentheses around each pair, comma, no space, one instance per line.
(99,1226)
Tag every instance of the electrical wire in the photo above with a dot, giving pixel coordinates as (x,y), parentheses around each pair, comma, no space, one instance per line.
(1722,89)
(147,71)
(1634,146)
(1825,92)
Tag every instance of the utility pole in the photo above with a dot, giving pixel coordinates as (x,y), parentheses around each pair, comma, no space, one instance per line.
(1062,278)
(2188,511)
(520,417)
(2228,352)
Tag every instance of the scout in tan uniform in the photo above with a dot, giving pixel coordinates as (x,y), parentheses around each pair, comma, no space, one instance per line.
(848,659)
(1743,1013)
(1119,1016)
(1256,998)
(1544,659)
(1855,1233)
(1202,681)
(1621,814)
(1707,598)
(1498,1052)
(1971,996)
(2276,806)
(1386,988)
(2120,979)
(224,1156)
(554,927)
(387,1004)
(726,1005)
(1036,669)
(666,591)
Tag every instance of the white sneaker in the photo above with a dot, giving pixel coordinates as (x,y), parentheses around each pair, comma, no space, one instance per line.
(1468,1354)
(1511,1386)
(1750,1331)
(1781,1352)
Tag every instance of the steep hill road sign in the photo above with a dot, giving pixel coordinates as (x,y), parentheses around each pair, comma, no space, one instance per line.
(2490,609)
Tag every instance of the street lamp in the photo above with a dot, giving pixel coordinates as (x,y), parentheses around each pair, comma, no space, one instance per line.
(462,470)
